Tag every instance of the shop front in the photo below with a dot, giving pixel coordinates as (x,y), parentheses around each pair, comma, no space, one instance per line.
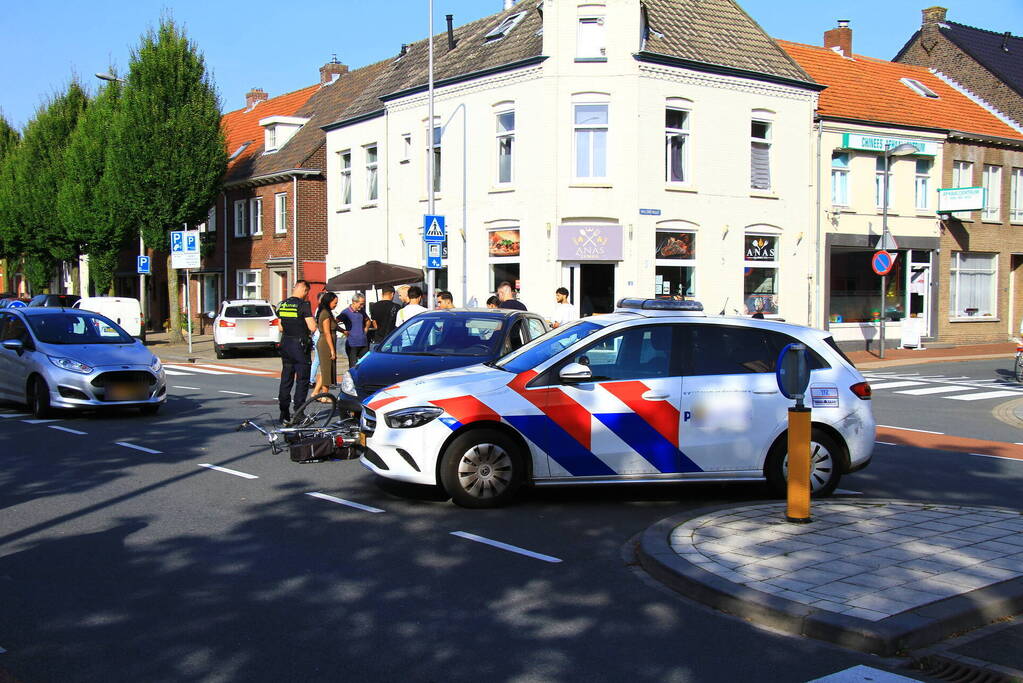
(589,256)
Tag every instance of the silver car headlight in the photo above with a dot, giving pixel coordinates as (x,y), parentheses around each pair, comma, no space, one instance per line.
(348,385)
(71,365)
(407,418)
(156,365)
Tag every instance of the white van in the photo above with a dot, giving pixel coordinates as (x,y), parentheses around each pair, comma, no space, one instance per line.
(124,311)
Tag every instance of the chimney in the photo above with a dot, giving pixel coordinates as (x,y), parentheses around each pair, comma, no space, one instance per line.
(254,97)
(840,37)
(933,15)
(451,31)
(404,50)
(331,70)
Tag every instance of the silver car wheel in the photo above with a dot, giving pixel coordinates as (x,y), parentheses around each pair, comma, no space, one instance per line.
(485,470)
(822,466)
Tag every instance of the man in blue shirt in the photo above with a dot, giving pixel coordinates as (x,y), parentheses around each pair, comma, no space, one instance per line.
(355,323)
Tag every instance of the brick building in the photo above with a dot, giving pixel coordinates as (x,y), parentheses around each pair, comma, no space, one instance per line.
(987,63)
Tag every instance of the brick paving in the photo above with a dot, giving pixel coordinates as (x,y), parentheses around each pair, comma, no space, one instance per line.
(864,559)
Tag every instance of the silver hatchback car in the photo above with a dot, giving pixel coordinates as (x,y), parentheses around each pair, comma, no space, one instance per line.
(61,358)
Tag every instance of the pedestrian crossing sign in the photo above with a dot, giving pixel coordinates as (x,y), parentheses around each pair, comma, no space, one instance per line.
(434,229)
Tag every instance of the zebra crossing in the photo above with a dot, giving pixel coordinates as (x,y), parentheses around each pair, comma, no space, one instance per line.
(193,369)
(953,388)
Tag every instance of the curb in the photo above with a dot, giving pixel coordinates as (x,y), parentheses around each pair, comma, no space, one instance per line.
(897,362)
(911,629)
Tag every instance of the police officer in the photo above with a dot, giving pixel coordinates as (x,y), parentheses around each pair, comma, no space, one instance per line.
(296,325)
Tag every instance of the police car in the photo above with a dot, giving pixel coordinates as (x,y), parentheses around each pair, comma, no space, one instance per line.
(655,392)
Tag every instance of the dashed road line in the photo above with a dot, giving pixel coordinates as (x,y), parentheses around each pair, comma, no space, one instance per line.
(68,430)
(886,443)
(243,475)
(192,388)
(236,393)
(847,492)
(138,448)
(39,422)
(506,546)
(910,429)
(2,650)
(349,503)
(15,415)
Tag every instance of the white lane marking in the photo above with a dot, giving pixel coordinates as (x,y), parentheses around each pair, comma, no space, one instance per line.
(245,371)
(886,443)
(910,429)
(942,389)
(505,546)
(847,492)
(243,475)
(860,673)
(68,430)
(236,393)
(38,422)
(192,368)
(982,395)
(192,388)
(2,650)
(15,415)
(174,372)
(893,385)
(342,501)
(138,448)
(996,457)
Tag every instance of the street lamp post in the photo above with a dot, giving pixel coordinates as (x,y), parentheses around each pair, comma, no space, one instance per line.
(889,152)
(431,275)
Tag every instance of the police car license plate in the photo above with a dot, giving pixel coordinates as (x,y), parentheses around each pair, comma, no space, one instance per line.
(126,392)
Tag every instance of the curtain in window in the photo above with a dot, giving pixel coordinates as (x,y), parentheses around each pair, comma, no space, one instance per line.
(676,157)
(760,169)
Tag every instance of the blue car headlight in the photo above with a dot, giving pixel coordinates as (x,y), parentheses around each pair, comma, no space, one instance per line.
(71,365)
(347,384)
(156,365)
(407,418)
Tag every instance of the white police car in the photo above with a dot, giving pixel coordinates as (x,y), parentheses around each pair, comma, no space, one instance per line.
(655,392)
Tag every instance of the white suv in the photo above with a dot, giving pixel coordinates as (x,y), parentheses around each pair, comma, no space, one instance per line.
(246,324)
(655,392)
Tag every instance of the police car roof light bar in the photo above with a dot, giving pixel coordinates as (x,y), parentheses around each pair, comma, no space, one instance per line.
(660,305)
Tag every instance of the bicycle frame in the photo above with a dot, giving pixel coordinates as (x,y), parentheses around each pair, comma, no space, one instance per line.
(344,432)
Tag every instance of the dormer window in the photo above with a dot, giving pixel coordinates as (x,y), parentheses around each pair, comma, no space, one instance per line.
(918,87)
(278,130)
(504,27)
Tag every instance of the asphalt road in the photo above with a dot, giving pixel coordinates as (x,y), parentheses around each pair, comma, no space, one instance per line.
(125,564)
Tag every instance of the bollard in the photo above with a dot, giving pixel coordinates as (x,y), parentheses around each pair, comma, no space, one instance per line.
(798,508)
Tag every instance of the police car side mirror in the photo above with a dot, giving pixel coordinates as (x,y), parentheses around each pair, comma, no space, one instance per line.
(574,373)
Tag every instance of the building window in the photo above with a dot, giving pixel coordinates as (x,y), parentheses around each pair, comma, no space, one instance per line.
(436,151)
(923,184)
(256,216)
(371,173)
(271,138)
(962,176)
(502,29)
(760,155)
(591,140)
(760,274)
(505,145)
(879,185)
(249,284)
(211,220)
(676,145)
(346,178)
(590,41)
(840,179)
(973,285)
(406,147)
(1016,198)
(854,287)
(675,265)
(281,212)
(992,193)
(240,229)
(210,293)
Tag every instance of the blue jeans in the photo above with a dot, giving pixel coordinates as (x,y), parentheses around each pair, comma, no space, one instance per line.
(316,359)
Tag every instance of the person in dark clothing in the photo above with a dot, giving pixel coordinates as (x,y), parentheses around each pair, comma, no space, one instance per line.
(296,325)
(383,315)
(507,296)
(356,328)
(493,302)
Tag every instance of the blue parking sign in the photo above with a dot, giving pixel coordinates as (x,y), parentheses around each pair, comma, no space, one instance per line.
(143,265)
(177,240)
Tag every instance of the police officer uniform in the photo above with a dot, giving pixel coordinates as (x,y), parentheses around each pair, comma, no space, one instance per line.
(295,348)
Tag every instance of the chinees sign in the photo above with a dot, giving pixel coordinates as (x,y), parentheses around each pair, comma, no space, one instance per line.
(878,143)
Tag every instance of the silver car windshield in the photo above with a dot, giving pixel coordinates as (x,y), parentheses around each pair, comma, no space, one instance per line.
(77,328)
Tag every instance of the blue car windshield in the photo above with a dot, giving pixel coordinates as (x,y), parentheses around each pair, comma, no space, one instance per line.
(547,346)
(447,335)
(77,328)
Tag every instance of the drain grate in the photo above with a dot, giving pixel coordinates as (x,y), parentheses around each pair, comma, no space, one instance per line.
(958,671)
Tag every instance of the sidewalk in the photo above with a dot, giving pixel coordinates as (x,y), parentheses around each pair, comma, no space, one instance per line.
(879,576)
(894,357)
(202,352)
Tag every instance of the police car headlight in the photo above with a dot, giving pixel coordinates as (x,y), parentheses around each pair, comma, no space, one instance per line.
(347,385)
(408,418)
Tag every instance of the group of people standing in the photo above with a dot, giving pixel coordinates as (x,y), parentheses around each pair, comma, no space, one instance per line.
(302,331)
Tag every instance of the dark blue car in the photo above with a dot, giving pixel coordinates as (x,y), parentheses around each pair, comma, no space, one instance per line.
(439,340)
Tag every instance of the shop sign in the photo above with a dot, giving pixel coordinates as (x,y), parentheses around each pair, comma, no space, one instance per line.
(877,143)
(589,243)
(505,243)
(960,199)
(760,248)
(675,245)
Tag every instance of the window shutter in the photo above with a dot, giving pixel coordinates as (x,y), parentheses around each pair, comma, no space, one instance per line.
(760,169)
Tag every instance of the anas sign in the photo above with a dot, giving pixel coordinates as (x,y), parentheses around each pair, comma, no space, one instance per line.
(877,143)
(589,243)
(953,199)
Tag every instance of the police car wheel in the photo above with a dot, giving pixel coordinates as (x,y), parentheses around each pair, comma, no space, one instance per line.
(481,468)
(824,465)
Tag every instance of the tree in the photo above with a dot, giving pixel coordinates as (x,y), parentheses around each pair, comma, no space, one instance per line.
(9,139)
(88,197)
(169,157)
(33,175)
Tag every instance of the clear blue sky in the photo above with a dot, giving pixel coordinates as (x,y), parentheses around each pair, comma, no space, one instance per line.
(280,45)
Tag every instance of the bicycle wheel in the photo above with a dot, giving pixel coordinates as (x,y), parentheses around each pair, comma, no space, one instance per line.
(1019,366)
(317,411)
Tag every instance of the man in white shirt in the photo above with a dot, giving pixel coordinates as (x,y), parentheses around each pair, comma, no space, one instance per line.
(413,307)
(564,312)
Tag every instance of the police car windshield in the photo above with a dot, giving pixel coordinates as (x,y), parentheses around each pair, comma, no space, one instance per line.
(547,346)
(77,328)
(446,335)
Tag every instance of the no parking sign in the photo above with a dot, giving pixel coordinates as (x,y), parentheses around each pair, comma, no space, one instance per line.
(882,262)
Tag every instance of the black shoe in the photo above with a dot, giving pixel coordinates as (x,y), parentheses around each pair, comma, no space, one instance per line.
(285,418)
